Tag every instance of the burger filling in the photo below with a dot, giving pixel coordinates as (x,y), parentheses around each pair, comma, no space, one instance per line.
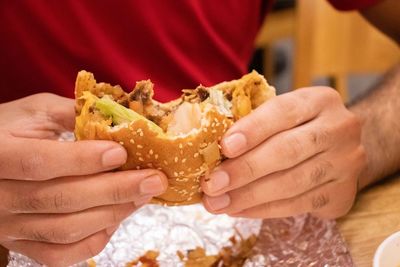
(172,119)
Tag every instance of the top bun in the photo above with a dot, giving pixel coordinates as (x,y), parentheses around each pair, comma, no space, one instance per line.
(180,138)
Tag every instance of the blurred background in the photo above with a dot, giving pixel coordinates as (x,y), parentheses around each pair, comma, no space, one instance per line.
(308,42)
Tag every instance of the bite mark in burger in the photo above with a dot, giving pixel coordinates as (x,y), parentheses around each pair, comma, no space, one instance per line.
(180,138)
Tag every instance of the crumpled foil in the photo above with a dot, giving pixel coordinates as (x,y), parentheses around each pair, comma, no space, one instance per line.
(167,230)
(302,241)
(297,241)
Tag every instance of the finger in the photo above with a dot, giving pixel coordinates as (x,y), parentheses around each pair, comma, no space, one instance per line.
(64,228)
(278,114)
(278,186)
(323,201)
(56,108)
(34,159)
(280,152)
(71,194)
(60,255)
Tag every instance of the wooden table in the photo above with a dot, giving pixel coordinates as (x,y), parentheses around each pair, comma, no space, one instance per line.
(375,215)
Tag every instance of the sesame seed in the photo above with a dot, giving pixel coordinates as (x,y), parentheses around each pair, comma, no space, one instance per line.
(156,156)
(138,154)
(205,130)
(176,159)
(183,160)
(141,159)
(213,124)
(214,131)
(196,155)
(141,133)
(181,172)
(139,146)
(180,146)
(175,174)
(165,162)
(132,141)
(190,143)
(121,143)
(151,152)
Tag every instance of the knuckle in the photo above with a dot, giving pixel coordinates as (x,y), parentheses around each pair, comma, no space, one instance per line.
(29,203)
(318,138)
(61,202)
(43,236)
(120,194)
(319,172)
(330,95)
(115,214)
(249,166)
(319,201)
(32,167)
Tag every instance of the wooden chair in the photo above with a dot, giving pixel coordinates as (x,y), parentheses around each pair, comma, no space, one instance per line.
(277,26)
(334,44)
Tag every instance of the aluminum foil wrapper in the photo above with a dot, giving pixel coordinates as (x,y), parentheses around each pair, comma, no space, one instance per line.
(167,230)
(299,241)
(302,241)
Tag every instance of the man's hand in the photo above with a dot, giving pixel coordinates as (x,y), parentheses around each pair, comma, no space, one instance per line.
(58,204)
(299,152)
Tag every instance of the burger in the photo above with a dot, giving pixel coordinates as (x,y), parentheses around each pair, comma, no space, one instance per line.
(180,138)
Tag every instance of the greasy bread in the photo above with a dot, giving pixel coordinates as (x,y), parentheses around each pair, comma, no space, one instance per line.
(179,138)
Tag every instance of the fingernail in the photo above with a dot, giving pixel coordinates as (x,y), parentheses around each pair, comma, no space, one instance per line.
(219,202)
(152,186)
(111,230)
(217,181)
(234,144)
(114,157)
(141,201)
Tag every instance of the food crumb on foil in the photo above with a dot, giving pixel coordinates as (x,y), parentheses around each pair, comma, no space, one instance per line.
(149,259)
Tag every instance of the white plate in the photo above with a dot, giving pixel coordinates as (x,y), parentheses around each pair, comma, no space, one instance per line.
(388,252)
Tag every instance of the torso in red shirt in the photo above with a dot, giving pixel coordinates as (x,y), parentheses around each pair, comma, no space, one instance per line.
(177,44)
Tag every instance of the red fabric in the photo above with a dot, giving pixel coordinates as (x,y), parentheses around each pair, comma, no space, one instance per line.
(352,4)
(177,44)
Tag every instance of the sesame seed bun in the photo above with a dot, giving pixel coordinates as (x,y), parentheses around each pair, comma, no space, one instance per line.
(180,138)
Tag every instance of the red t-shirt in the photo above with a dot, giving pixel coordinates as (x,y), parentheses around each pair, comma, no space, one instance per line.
(177,44)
